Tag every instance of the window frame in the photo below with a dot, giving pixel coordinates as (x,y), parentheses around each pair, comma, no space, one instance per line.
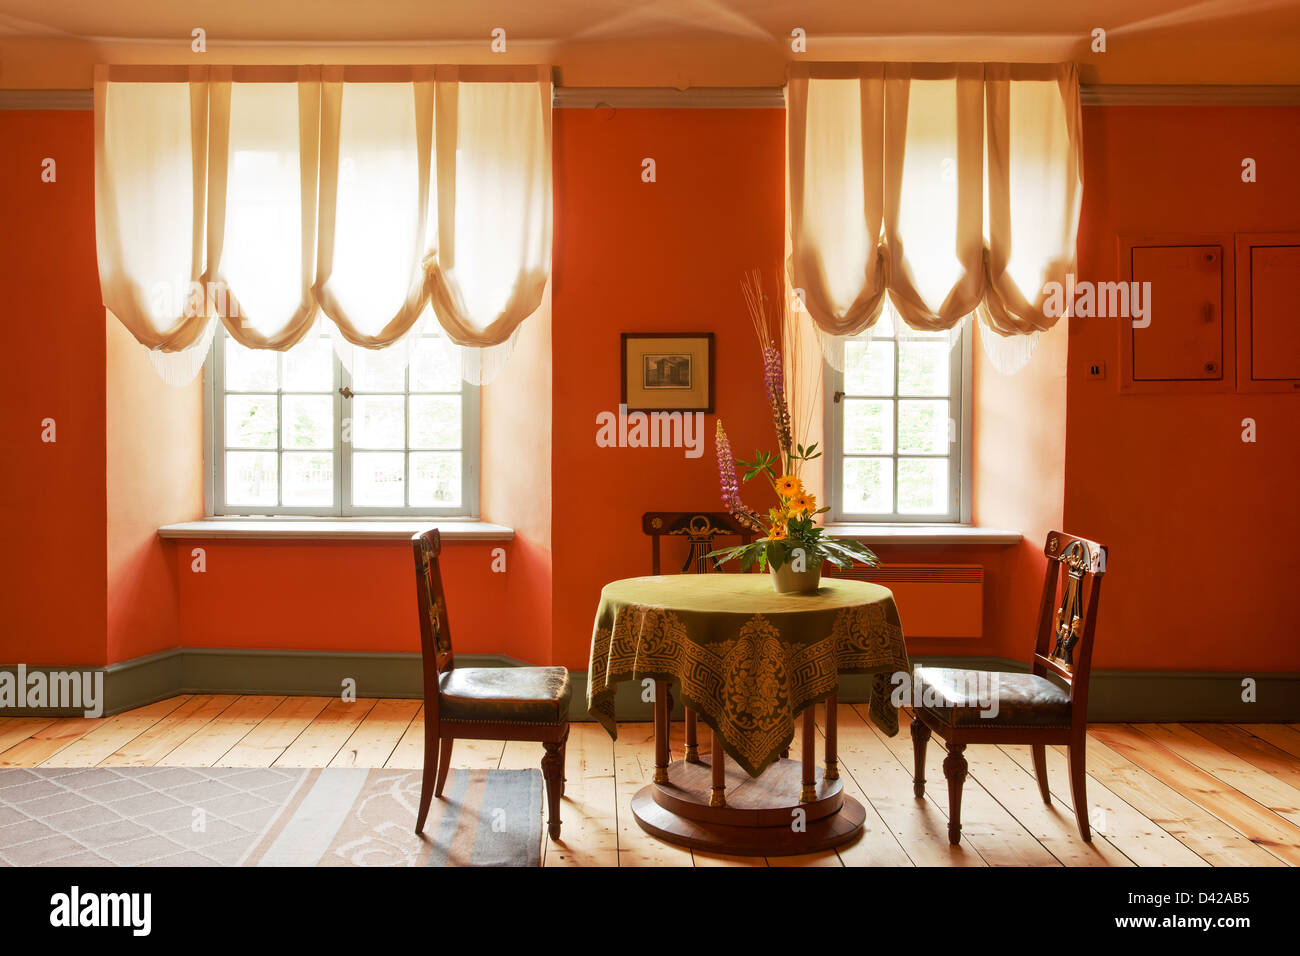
(214,450)
(959,471)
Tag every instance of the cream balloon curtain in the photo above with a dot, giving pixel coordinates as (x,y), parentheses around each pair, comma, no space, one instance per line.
(272,198)
(948,189)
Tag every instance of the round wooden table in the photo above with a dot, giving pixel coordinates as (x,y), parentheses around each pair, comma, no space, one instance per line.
(751,663)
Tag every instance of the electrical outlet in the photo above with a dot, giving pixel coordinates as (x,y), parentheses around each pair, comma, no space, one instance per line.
(1097,370)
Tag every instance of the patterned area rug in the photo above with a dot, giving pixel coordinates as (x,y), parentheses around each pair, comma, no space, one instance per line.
(183,816)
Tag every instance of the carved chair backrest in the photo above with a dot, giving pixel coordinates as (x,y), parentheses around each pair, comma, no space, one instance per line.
(435,633)
(699,528)
(1067,616)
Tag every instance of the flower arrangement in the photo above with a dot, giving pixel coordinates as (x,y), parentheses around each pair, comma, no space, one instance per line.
(789,535)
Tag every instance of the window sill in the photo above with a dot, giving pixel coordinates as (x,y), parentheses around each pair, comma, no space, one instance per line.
(913,534)
(335,529)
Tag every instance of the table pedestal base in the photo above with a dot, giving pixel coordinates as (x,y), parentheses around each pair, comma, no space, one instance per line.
(761,817)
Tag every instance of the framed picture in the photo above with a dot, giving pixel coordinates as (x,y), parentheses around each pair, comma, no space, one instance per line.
(667,371)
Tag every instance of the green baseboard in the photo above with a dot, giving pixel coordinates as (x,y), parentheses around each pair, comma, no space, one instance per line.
(1141,696)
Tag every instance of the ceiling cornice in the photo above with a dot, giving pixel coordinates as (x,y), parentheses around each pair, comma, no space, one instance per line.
(773,97)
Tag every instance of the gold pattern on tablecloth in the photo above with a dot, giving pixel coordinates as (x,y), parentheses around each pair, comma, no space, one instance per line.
(749,688)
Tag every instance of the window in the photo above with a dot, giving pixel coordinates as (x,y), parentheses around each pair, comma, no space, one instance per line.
(898,425)
(296,433)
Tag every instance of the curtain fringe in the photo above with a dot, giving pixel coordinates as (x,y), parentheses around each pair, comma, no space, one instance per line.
(178,369)
(1008,354)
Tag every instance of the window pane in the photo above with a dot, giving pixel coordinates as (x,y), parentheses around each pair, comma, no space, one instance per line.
(435,421)
(382,371)
(431,368)
(250,370)
(251,478)
(309,366)
(868,427)
(435,479)
(308,421)
(923,368)
(308,479)
(923,427)
(869,368)
(250,421)
(378,479)
(923,486)
(379,421)
(868,485)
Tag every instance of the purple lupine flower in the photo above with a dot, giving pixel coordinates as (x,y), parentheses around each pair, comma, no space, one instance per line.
(731,487)
(774,383)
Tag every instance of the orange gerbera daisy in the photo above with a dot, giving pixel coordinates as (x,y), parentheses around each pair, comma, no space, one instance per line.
(787,486)
(778,533)
(802,504)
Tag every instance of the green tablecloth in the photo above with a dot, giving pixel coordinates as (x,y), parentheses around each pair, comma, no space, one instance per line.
(748,660)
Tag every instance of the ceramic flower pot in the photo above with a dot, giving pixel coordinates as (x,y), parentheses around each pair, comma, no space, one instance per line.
(786,580)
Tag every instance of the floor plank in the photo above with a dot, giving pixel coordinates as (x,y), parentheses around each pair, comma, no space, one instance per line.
(266,743)
(170,732)
(14,730)
(112,733)
(209,743)
(1140,839)
(1232,770)
(985,822)
(1205,834)
(324,738)
(1260,754)
(634,769)
(409,752)
(45,743)
(1172,794)
(919,826)
(1279,735)
(376,737)
(1258,824)
(589,836)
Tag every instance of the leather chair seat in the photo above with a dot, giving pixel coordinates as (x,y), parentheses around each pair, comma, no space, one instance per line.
(961,697)
(530,695)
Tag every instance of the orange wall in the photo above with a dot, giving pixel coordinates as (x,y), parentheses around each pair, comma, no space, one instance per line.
(1203,563)
(632,256)
(1018,457)
(154,477)
(516,491)
(332,596)
(1141,472)
(52,496)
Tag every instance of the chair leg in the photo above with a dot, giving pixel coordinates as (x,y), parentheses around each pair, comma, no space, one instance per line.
(564,763)
(954,768)
(553,773)
(428,779)
(444,761)
(920,737)
(1079,789)
(1040,770)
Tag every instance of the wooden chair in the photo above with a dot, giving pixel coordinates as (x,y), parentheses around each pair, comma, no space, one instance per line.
(700,529)
(481,703)
(1031,708)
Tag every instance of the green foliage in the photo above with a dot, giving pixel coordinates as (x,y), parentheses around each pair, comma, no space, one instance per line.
(802,536)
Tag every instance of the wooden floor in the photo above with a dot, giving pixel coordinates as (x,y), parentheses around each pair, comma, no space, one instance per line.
(1159,794)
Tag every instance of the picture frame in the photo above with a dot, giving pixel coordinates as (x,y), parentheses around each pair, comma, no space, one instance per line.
(667,371)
